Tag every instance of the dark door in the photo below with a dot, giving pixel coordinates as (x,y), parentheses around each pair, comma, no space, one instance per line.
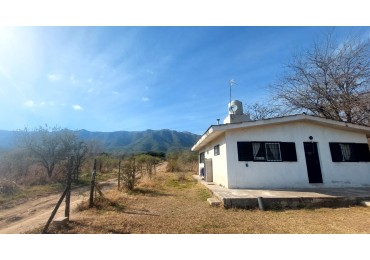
(208,170)
(312,162)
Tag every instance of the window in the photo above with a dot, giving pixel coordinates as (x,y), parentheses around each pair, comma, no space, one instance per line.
(259,153)
(267,151)
(349,152)
(273,152)
(216,150)
(201,157)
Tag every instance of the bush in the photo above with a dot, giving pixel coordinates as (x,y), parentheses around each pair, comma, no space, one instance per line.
(173,165)
(184,161)
(106,163)
(7,187)
(147,162)
(129,173)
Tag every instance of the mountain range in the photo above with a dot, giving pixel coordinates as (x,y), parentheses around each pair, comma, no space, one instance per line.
(127,141)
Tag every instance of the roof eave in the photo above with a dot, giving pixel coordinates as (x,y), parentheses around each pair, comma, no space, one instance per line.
(215,130)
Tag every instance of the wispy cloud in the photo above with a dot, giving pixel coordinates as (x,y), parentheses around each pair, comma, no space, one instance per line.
(31,103)
(115,92)
(73,79)
(90,90)
(77,107)
(145,99)
(54,77)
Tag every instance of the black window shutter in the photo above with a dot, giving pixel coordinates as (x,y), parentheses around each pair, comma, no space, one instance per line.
(336,153)
(362,153)
(288,152)
(245,152)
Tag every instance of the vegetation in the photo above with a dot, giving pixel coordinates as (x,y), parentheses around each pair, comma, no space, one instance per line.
(7,187)
(168,204)
(331,80)
(41,156)
(40,159)
(46,146)
(131,168)
(129,175)
(258,111)
(184,161)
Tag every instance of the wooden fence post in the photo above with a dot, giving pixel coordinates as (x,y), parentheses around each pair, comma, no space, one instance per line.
(91,204)
(119,174)
(54,211)
(68,194)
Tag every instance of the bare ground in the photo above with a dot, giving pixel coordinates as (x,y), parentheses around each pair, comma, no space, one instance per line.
(172,203)
(22,216)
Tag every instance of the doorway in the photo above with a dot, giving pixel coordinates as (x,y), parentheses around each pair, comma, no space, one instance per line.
(312,162)
(208,170)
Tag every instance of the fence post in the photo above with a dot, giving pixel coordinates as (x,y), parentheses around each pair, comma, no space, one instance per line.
(54,211)
(119,174)
(68,194)
(91,204)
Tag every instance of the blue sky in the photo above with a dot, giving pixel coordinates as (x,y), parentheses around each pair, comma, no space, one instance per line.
(138,78)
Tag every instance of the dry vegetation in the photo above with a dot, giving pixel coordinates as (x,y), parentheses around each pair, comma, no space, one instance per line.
(170,203)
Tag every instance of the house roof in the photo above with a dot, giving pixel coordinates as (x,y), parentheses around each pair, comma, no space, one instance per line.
(215,131)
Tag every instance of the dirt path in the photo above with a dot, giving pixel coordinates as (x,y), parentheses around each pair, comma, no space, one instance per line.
(35,213)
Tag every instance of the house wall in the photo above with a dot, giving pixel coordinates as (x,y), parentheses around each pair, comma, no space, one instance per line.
(294,174)
(219,162)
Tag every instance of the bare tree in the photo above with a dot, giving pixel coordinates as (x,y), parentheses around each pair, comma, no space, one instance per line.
(331,80)
(48,146)
(94,147)
(79,153)
(258,111)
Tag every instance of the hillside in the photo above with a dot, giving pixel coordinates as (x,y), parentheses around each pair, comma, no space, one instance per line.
(126,141)
(6,139)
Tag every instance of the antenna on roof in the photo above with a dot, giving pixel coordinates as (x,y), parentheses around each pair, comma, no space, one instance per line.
(232,83)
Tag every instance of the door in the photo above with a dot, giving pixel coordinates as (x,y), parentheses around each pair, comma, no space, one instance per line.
(312,162)
(208,170)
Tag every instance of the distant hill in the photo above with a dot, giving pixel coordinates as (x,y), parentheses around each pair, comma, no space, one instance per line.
(6,139)
(128,141)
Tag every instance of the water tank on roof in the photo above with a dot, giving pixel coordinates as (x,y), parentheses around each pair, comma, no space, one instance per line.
(235,108)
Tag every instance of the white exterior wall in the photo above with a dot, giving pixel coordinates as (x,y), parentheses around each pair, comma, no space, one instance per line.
(219,162)
(294,174)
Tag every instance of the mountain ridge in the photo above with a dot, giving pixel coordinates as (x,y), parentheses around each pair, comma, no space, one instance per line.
(164,140)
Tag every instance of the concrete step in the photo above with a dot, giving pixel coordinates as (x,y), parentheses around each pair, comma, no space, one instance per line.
(365,203)
(214,202)
(60,222)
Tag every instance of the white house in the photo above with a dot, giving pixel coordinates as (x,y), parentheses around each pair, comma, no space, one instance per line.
(298,151)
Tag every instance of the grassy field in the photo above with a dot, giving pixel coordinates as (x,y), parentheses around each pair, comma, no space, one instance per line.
(173,203)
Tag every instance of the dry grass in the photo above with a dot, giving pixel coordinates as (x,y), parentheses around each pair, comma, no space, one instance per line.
(172,204)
